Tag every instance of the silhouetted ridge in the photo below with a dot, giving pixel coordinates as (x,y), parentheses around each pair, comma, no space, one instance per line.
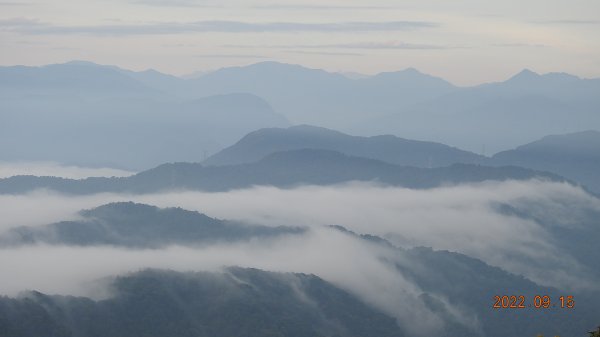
(137,225)
(392,149)
(236,302)
(575,156)
(283,169)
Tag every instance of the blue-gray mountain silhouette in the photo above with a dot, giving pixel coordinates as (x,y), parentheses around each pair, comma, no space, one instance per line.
(395,150)
(486,118)
(281,169)
(139,226)
(575,156)
(97,115)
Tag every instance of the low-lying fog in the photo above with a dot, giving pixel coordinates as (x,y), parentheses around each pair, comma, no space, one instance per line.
(464,218)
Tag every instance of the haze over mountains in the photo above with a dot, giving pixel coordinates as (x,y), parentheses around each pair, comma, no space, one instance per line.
(573,156)
(413,105)
(234,302)
(261,143)
(280,169)
(76,100)
(451,289)
(99,116)
(306,154)
(576,156)
(277,200)
(139,226)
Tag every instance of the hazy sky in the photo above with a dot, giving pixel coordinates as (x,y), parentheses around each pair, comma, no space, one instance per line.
(464,41)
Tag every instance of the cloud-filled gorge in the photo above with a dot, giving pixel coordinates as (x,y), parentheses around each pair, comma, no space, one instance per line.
(511,224)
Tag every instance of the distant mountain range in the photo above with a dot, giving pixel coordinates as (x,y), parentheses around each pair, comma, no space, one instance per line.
(497,116)
(281,169)
(418,106)
(86,102)
(230,129)
(410,104)
(138,226)
(318,97)
(100,116)
(75,79)
(575,156)
(399,151)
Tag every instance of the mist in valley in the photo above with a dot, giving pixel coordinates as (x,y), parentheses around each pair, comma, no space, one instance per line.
(333,169)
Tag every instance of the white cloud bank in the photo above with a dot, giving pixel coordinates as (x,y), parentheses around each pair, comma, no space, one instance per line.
(350,263)
(462,218)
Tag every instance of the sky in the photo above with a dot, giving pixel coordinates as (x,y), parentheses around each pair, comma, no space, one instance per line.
(464,41)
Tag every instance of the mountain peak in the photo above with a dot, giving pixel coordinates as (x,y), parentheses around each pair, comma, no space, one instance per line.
(411,76)
(313,129)
(411,70)
(273,70)
(525,74)
(578,139)
(561,76)
(82,63)
(405,72)
(274,65)
(392,149)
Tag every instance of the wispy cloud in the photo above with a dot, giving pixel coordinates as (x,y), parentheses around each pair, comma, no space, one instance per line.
(358,45)
(13,3)
(520,45)
(386,45)
(65,48)
(273,6)
(320,7)
(19,22)
(231,56)
(304,52)
(29,26)
(570,22)
(176,3)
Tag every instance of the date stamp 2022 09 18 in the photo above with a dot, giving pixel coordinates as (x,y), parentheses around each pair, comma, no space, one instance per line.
(538,302)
